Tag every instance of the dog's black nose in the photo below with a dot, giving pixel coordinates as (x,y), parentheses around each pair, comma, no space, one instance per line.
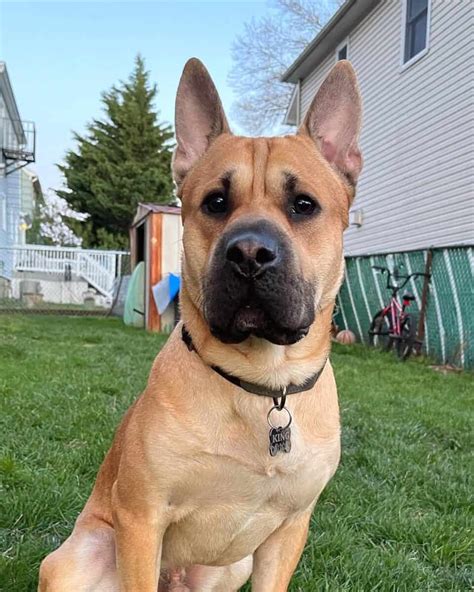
(252,253)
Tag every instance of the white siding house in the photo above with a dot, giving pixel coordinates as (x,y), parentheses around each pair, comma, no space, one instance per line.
(17,149)
(415,64)
(32,275)
(17,185)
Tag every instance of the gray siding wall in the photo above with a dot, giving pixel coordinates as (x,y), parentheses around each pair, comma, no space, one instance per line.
(417,186)
(3,184)
(3,116)
(10,187)
(10,191)
(3,211)
(13,206)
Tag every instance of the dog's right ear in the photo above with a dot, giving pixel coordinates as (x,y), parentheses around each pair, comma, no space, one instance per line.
(334,118)
(199,117)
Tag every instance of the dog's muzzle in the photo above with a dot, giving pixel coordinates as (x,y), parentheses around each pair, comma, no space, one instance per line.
(253,287)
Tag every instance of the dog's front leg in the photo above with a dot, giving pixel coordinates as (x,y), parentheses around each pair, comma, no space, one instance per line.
(139,532)
(276,559)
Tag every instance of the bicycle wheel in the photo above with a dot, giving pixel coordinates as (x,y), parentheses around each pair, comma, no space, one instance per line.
(379,332)
(407,339)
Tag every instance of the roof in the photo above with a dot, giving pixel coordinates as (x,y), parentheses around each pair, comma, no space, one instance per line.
(145,209)
(7,93)
(349,15)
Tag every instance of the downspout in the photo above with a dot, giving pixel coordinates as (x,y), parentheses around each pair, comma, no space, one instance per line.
(298,103)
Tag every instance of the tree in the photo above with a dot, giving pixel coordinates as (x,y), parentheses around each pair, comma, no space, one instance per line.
(50,225)
(121,160)
(264,51)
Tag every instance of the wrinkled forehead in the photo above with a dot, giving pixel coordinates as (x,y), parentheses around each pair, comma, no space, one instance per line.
(254,168)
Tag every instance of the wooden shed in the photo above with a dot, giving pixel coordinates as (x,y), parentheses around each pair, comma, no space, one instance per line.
(155,239)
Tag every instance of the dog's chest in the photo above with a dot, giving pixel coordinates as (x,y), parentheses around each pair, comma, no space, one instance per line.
(236,502)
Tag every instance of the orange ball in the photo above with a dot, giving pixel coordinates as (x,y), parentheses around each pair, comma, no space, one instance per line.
(346,337)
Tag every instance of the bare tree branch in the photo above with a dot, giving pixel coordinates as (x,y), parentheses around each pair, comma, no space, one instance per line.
(263,52)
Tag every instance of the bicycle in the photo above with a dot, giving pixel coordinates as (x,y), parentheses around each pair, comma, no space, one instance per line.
(393,325)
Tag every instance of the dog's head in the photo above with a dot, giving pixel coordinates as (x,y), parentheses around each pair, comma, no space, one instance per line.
(264,217)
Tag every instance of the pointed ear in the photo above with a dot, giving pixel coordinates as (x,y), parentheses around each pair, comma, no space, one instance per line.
(334,118)
(199,117)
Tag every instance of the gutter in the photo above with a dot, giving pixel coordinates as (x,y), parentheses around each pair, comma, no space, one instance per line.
(317,40)
(340,26)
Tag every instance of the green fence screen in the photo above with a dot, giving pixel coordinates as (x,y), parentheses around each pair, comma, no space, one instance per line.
(449,317)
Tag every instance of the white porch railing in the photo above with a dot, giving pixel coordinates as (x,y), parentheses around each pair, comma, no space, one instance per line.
(98,268)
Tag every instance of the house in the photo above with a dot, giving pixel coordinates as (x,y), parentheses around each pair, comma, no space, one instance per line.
(38,276)
(415,64)
(31,196)
(18,186)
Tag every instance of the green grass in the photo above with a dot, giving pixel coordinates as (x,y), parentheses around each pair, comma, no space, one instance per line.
(396,516)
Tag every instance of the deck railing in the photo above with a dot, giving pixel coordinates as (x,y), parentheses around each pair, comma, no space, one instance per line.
(17,143)
(98,268)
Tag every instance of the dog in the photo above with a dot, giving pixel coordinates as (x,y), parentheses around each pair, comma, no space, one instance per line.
(216,468)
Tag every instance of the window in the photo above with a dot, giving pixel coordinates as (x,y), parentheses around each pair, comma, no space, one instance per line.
(416,28)
(342,51)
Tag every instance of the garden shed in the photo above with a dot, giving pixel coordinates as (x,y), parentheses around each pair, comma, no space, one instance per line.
(155,243)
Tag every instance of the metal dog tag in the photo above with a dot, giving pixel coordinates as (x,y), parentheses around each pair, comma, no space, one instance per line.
(280,440)
(279,436)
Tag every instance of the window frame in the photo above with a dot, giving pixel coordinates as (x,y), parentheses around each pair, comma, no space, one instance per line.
(344,42)
(406,64)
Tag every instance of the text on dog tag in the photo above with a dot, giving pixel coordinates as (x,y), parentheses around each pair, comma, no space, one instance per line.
(280,440)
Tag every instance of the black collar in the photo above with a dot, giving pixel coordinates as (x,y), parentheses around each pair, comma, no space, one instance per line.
(252,387)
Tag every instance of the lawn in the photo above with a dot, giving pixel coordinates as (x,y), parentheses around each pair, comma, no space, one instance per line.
(396,517)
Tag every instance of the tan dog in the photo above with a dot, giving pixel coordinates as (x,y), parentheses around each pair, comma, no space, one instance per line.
(193,495)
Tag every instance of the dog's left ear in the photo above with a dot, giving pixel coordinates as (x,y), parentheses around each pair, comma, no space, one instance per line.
(334,118)
(199,117)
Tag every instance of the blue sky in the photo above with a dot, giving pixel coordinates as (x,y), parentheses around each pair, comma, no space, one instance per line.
(61,55)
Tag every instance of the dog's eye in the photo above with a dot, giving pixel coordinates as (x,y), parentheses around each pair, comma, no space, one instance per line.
(215,203)
(303,205)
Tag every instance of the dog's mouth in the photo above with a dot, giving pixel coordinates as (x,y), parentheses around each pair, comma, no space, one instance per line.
(260,292)
(253,320)
(249,318)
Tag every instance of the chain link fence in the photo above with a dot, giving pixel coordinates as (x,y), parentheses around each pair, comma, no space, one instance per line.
(57,280)
(62,280)
(449,309)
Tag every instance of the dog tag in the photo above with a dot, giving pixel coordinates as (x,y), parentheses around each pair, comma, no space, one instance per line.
(279,436)
(280,440)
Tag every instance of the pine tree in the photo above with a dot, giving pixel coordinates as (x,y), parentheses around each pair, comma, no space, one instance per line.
(123,159)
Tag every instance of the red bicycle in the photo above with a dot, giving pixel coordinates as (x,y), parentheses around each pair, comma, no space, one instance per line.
(393,325)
